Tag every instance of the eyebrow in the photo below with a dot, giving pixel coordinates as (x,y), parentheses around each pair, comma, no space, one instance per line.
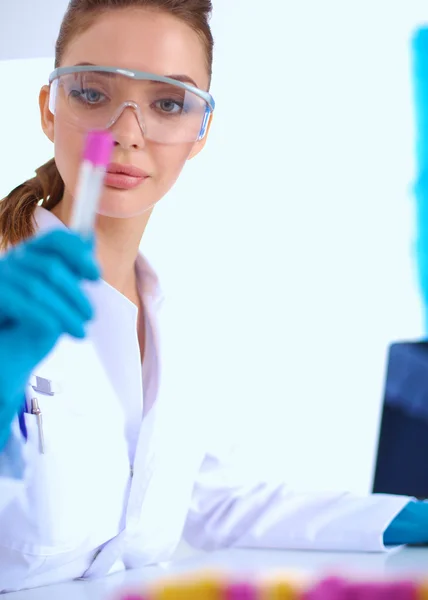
(182,78)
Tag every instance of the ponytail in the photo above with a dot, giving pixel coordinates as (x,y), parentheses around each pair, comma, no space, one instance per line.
(18,208)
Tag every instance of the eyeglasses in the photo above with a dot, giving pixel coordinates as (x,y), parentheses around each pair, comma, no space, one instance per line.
(94,97)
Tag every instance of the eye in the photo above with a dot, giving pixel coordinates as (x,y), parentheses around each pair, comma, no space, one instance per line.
(88,95)
(169,106)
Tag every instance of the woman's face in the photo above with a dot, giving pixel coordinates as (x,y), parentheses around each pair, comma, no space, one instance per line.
(142,40)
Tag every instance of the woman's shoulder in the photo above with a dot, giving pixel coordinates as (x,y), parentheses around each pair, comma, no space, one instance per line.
(45,220)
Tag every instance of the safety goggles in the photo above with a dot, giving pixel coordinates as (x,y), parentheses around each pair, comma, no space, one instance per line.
(168,111)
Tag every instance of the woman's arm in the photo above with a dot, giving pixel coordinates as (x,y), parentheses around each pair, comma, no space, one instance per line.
(233,507)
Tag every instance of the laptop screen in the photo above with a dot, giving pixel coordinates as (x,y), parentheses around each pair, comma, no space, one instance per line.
(402,456)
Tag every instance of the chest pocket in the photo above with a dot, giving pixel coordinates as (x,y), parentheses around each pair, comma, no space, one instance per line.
(77,488)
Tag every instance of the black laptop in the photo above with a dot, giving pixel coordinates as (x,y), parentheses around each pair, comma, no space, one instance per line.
(402,457)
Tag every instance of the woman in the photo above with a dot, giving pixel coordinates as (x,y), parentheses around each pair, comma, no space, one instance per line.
(114,473)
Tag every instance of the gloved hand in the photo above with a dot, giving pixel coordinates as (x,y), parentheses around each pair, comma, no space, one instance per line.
(40,299)
(410,526)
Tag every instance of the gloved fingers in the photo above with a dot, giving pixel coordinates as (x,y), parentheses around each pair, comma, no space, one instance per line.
(75,252)
(52,273)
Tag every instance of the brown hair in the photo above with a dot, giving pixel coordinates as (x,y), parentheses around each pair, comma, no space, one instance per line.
(47,188)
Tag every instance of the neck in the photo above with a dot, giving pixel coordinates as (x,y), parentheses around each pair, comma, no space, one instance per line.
(117,243)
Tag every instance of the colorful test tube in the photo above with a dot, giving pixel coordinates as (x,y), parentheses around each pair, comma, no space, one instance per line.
(96,158)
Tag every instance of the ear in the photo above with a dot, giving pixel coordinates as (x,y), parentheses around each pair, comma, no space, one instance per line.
(46,116)
(198,146)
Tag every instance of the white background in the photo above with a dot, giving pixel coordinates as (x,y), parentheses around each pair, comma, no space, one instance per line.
(287,245)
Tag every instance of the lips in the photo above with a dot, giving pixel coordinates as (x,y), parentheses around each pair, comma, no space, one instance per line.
(124,177)
(130,170)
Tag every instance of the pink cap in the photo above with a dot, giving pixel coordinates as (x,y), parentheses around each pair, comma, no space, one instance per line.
(240,591)
(98,148)
(397,590)
(331,588)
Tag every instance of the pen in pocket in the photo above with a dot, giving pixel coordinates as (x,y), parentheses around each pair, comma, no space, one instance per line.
(21,418)
(35,410)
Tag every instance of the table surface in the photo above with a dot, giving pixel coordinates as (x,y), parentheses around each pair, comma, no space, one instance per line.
(402,562)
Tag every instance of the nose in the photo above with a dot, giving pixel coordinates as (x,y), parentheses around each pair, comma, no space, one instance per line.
(127,129)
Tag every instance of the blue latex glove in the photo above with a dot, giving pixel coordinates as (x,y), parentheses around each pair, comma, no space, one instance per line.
(40,300)
(409,527)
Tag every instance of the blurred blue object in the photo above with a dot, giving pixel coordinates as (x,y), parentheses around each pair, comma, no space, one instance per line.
(419,65)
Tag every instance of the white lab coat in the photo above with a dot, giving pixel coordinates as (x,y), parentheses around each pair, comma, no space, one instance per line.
(113,489)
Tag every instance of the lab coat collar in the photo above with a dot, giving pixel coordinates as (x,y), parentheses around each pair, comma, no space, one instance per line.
(124,373)
(148,281)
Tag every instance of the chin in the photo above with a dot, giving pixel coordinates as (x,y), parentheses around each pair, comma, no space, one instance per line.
(124,210)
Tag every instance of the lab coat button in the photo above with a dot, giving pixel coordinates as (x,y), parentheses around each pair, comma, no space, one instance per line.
(131,471)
